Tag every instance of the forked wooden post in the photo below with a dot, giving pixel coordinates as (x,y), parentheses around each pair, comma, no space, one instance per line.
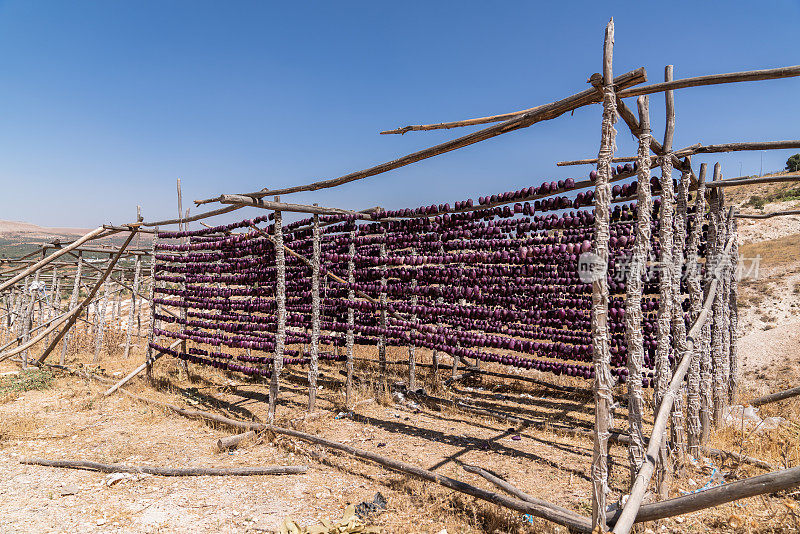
(666,273)
(634,338)
(603,381)
(280,298)
(313,368)
(351,296)
(695,304)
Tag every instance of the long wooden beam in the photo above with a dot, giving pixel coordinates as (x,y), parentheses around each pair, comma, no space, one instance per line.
(285,206)
(752,181)
(775,397)
(622,82)
(545,112)
(713,79)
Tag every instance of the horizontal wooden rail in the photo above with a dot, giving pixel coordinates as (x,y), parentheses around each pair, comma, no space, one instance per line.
(712,79)
(775,397)
(767,215)
(545,112)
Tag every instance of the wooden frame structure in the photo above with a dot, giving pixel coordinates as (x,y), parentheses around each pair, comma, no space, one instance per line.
(704,359)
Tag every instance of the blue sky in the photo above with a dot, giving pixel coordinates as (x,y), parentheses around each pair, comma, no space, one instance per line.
(104,104)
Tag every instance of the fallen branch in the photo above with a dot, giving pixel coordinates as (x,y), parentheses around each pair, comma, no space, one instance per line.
(169,471)
(742,489)
(231,442)
(767,215)
(775,397)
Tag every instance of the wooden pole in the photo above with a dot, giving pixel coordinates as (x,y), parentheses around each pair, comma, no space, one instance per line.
(383,315)
(666,277)
(72,316)
(639,488)
(678,322)
(603,382)
(412,360)
(280,297)
(151,337)
(634,338)
(733,309)
(132,309)
(101,323)
(775,397)
(94,234)
(169,471)
(625,80)
(313,368)
(717,326)
(695,304)
(351,296)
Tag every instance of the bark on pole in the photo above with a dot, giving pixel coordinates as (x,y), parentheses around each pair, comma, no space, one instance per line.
(383,316)
(695,304)
(734,309)
(412,360)
(720,385)
(678,321)
(666,276)
(349,335)
(151,337)
(313,368)
(634,338)
(603,381)
(73,300)
(101,323)
(280,297)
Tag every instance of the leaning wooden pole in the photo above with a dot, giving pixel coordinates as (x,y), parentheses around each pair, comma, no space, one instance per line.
(634,338)
(603,381)
(58,253)
(280,301)
(639,488)
(73,315)
(313,368)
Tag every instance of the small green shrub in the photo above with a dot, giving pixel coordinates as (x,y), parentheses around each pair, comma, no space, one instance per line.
(32,379)
(757,202)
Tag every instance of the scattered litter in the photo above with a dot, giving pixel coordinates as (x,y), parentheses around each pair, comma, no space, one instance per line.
(68,489)
(715,480)
(737,415)
(516,438)
(365,508)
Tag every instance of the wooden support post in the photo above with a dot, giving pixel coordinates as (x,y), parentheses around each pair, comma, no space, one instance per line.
(666,273)
(280,298)
(412,360)
(132,309)
(313,368)
(603,382)
(101,323)
(73,300)
(351,296)
(720,382)
(634,338)
(733,307)
(151,337)
(678,321)
(694,267)
(384,371)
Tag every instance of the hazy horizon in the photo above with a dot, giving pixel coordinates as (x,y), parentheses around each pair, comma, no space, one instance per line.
(105,105)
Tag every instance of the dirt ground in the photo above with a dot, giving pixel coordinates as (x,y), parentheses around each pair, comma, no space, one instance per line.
(69,418)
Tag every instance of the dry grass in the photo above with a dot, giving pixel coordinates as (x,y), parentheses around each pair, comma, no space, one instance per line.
(774,252)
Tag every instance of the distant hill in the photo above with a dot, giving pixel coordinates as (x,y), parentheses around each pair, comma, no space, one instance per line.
(23,229)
